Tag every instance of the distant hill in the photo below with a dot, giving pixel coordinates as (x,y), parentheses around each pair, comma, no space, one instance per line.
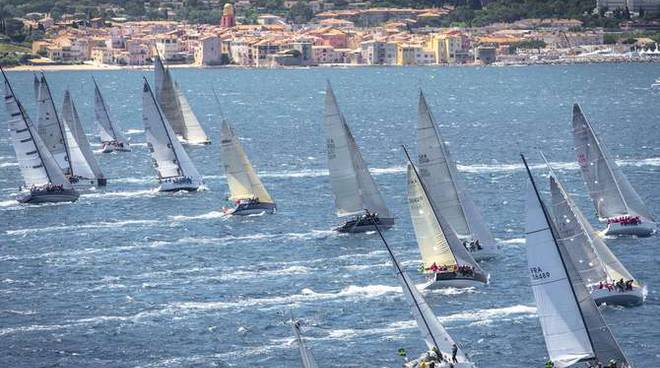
(468,12)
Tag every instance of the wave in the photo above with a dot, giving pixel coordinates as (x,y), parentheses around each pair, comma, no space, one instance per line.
(512,241)
(127,194)
(95,225)
(8,203)
(134,131)
(205,216)
(8,164)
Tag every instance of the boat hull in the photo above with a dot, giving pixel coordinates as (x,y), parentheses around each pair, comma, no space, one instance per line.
(175,187)
(362,225)
(627,298)
(643,229)
(444,280)
(49,197)
(252,209)
(109,148)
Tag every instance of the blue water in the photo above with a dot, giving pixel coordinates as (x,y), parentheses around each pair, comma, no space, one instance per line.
(126,277)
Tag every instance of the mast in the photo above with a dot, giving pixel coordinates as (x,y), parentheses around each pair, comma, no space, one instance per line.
(59,124)
(24,116)
(405,282)
(561,257)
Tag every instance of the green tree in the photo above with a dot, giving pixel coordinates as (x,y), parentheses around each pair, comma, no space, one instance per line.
(300,13)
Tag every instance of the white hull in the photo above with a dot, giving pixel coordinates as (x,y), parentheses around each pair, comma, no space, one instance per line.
(643,229)
(458,282)
(636,296)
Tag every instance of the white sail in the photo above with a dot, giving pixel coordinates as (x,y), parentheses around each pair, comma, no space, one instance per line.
(82,158)
(51,129)
(353,185)
(573,328)
(170,159)
(439,171)
(433,332)
(609,189)
(36,163)
(193,131)
(176,107)
(306,356)
(437,241)
(241,177)
(565,333)
(108,130)
(591,256)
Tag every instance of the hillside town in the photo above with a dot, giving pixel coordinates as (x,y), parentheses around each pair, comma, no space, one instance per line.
(359,35)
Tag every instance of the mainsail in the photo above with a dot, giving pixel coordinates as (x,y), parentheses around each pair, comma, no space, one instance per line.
(609,189)
(306,356)
(36,163)
(591,256)
(241,177)
(438,242)
(82,157)
(573,328)
(354,187)
(109,132)
(176,107)
(170,159)
(439,171)
(433,332)
(51,130)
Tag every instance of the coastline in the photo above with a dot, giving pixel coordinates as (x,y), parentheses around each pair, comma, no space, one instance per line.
(112,67)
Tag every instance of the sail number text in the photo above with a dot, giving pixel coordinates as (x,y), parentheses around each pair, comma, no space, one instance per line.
(538,273)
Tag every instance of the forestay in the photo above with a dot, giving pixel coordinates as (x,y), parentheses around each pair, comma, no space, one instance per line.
(36,163)
(241,177)
(353,185)
(50,128)
(170,159)
(437,241)
(107,128)
(306,356)
(592,258)
(82,158)
(573,328)
(439,171)
(609,189)
(433,332)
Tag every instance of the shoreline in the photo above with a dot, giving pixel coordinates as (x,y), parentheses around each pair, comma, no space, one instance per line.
(508,63)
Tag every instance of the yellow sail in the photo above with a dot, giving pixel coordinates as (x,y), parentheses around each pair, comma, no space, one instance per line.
(241,177)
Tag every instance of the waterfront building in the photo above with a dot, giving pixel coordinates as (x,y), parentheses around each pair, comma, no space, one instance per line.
(209,51)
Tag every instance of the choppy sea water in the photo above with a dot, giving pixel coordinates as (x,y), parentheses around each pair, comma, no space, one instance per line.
(126,277)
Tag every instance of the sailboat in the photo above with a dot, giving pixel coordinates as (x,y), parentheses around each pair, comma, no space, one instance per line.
(615,200)
(437,339)
(111,136)
(445,259)
(354,188)
(63,146)
(245,186)
(174,168)
(44,180)
(438,169)
(573,328)
(306,357)
(597,265)
(82,157)
(176,108)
